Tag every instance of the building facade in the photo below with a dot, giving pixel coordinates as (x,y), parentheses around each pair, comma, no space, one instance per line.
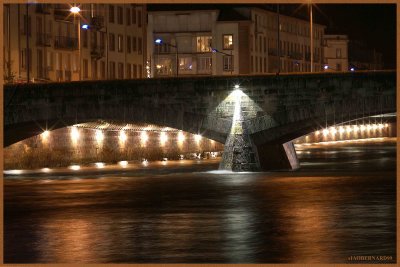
(336,52)
(235,41)
(100,42)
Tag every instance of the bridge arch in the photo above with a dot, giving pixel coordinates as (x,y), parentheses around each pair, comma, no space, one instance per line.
(275,109)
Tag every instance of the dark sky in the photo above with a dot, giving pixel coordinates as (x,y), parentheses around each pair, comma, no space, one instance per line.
(374,24)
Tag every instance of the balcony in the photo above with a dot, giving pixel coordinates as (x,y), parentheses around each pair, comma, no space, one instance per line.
(43,39)
(63,42)
(97,52)
(97,22)
(43,9)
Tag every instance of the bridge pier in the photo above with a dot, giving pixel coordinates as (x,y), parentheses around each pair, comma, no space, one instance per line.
(275,156)
(240,154)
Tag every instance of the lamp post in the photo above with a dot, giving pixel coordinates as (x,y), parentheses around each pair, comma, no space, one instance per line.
(159,42)
(75,11)
(311,39)
(214,50)
(279,42)
(27,32)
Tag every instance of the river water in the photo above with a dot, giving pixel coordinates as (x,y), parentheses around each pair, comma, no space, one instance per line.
(341,204)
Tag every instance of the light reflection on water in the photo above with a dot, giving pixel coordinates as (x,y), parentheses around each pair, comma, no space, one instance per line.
(329,210)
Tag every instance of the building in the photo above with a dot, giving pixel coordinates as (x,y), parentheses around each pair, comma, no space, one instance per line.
(336,52)
(236,40)
(100,42)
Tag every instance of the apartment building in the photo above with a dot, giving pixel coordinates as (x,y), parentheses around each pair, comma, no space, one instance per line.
(336,52)
(184,42)
(294,43)
(51,43)
(236,40)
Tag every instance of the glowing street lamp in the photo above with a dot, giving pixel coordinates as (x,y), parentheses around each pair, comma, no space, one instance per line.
(75,11)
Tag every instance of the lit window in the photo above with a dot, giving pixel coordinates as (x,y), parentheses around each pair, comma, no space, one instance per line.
(228,41)
(163,66)
(204,43)
(120,43)
(185,63)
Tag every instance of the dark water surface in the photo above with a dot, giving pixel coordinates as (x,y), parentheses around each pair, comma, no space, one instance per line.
(341,203)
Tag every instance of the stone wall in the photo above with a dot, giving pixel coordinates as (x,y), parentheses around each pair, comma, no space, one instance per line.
(59,148)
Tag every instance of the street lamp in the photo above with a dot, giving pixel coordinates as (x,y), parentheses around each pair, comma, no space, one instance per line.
(160,41)
(75,11)
(311,39)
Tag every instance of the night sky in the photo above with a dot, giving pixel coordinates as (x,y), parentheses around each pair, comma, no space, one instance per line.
(373,24)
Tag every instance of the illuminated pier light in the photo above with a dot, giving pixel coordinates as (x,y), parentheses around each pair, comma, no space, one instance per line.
(75,167)
(163,138)
(369,126)
(386,125)
(348,128)
(355,128)
(362,127)
(181,137)
(99,136)
(341,129)
(13,172)
(45,170)
(317,133)
(380,126)
(325,132)
(333,130)
(145,162)
(374,126)
(46,134)
(197,138)
(123,163)
(100,165)
(74,134)
(143,138)
(122,136)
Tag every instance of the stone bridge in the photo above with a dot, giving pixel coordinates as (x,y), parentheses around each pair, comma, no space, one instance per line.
(255,116)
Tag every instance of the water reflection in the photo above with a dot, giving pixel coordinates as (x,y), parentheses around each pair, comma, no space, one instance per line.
(185,214)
